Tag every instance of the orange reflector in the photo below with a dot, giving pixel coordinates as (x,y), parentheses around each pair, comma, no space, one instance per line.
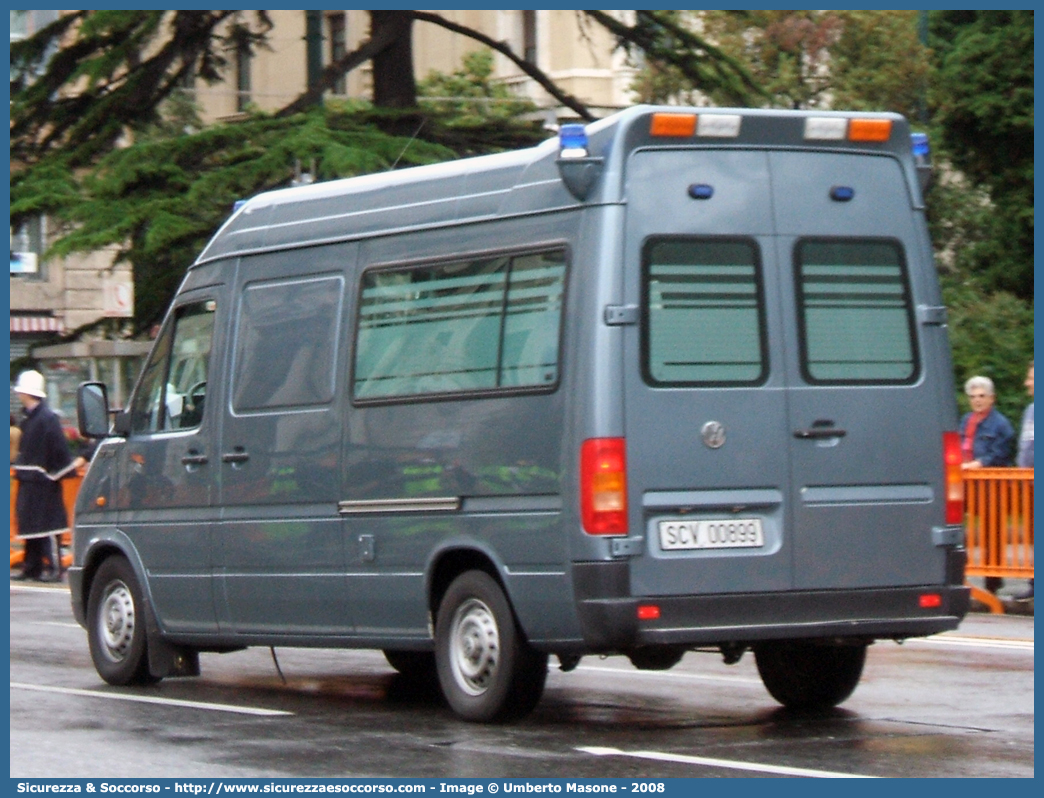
(100,501)
(648,612)
(672,125)
(930,601)
(869,129)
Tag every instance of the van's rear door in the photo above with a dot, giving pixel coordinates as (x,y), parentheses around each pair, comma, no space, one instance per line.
(706,420)
(863,419)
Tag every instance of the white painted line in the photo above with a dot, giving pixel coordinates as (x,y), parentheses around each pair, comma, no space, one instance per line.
(144,699)
(699,677)
(63,624)
(1007,643)
(728,764)
(20,588)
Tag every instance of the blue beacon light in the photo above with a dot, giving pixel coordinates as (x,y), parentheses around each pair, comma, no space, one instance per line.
(572,140)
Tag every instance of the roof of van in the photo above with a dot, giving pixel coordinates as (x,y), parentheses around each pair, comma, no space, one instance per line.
(505,184)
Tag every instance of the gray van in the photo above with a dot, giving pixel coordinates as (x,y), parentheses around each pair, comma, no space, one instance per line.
(675,380)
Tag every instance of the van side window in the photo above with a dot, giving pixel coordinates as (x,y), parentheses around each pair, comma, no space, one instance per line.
(478,325)
(855,314)
(286,343)
(703,312)
(171,394)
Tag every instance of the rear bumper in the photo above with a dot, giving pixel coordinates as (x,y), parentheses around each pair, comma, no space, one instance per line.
(610,623)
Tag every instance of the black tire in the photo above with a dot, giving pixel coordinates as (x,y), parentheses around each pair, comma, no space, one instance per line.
(116,625)
(805,675)
(487,671)
(414,665)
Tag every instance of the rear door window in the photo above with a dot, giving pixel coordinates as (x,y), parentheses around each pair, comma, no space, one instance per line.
(855,314)
(704,318)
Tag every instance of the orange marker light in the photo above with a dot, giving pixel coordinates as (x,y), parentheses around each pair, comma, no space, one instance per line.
(672,125)
(869,129)
(100,501)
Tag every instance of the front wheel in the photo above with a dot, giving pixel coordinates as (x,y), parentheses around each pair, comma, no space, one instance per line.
(116,625)
(806,675)
(487,671)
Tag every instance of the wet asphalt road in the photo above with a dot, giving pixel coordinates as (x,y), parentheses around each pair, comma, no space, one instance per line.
(958,705)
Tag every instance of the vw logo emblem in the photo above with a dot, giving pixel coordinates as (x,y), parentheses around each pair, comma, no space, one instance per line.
(713,434)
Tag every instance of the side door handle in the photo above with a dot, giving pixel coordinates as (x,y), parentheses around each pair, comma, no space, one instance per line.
(236,456)
(194,459)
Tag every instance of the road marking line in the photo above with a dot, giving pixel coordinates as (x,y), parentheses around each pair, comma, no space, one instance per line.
(779,770)
(40,589)
(975,642)
(63,624)
(142,699)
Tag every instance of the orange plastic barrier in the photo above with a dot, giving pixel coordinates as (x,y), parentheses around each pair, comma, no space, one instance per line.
(70,487)
(998,526)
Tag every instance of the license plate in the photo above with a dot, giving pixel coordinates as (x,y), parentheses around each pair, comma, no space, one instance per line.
(732,533)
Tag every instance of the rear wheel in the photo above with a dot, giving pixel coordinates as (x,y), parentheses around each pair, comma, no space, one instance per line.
(802,674)
(487,671)
(116,625)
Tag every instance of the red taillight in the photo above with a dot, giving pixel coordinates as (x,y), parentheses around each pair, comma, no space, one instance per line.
(648,612)
(603,486)
(954,478)
(930,601)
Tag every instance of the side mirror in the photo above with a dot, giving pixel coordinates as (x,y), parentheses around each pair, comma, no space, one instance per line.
(92,410)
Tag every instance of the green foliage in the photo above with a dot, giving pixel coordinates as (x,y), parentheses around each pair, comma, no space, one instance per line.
(856,60)
(476,99)
(160,200)
(982,102)
(678,62)
(991,335)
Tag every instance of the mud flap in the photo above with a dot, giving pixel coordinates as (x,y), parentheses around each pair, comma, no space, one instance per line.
(167,659)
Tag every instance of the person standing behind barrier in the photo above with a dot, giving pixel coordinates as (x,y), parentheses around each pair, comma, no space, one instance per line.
(986,442)
(986,435)
(43,460)
(1024,459)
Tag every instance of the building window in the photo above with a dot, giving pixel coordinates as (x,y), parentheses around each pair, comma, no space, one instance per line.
(243,58)
(529,37)
(27,247)
(337,26)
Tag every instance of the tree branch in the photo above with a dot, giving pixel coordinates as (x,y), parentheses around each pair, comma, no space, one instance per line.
(342,66)
(538,75)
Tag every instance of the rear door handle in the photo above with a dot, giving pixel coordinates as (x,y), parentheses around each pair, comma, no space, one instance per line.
(194,459)
(819,433)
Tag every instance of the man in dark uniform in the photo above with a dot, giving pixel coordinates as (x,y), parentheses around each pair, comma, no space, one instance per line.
(43,459)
